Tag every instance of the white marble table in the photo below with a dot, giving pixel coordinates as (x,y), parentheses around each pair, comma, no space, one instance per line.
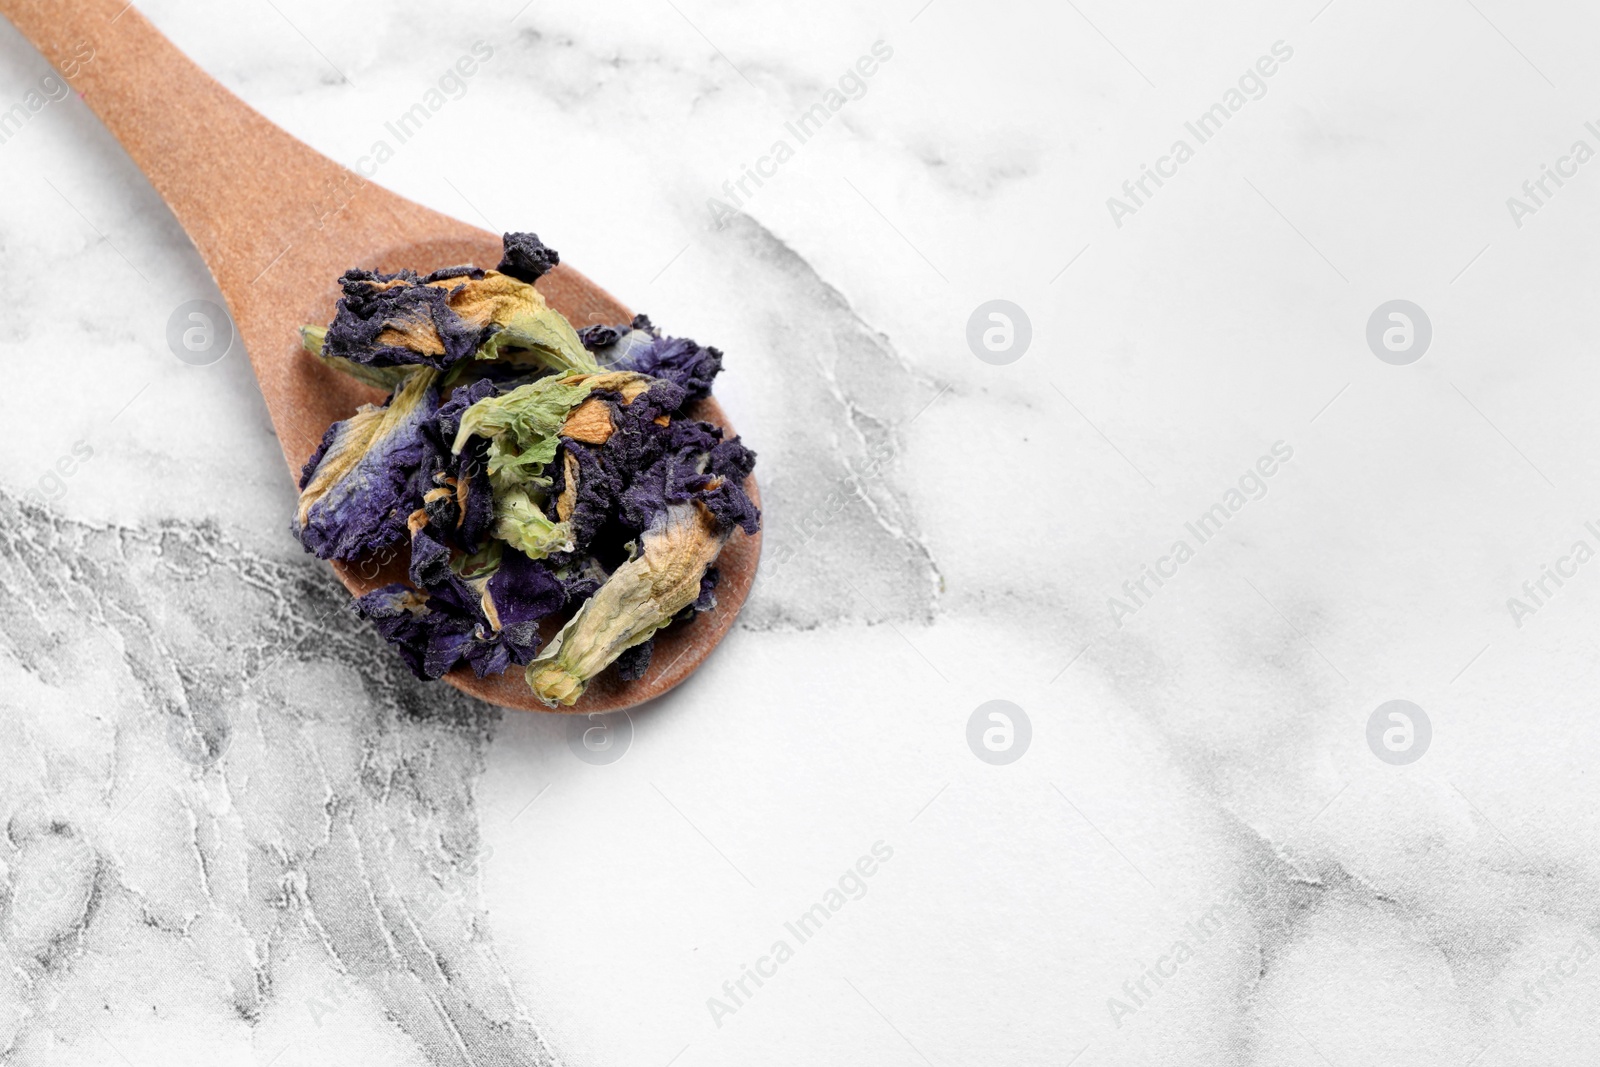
(238,833)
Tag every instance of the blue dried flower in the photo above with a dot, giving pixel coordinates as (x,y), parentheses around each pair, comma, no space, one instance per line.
(368,474)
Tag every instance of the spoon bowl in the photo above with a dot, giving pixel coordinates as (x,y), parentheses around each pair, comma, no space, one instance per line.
(277,223)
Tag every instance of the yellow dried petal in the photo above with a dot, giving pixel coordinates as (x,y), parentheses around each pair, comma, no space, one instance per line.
(568,500)
(589,422)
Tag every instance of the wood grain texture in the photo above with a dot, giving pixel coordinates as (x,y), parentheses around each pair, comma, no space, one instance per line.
(277,223)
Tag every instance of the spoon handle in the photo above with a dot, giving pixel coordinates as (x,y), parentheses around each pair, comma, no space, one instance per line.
(236,182)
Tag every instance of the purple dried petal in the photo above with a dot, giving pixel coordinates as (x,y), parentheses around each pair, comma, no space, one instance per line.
(527,258)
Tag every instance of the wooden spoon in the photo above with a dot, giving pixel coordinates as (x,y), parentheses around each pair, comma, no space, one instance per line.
(277,223)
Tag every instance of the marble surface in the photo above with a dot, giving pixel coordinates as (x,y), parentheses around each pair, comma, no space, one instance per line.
(237,833)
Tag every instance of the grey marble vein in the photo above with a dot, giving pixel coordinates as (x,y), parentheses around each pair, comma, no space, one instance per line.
(342,829)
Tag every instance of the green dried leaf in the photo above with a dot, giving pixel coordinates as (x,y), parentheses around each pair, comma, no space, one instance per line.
(639,598)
